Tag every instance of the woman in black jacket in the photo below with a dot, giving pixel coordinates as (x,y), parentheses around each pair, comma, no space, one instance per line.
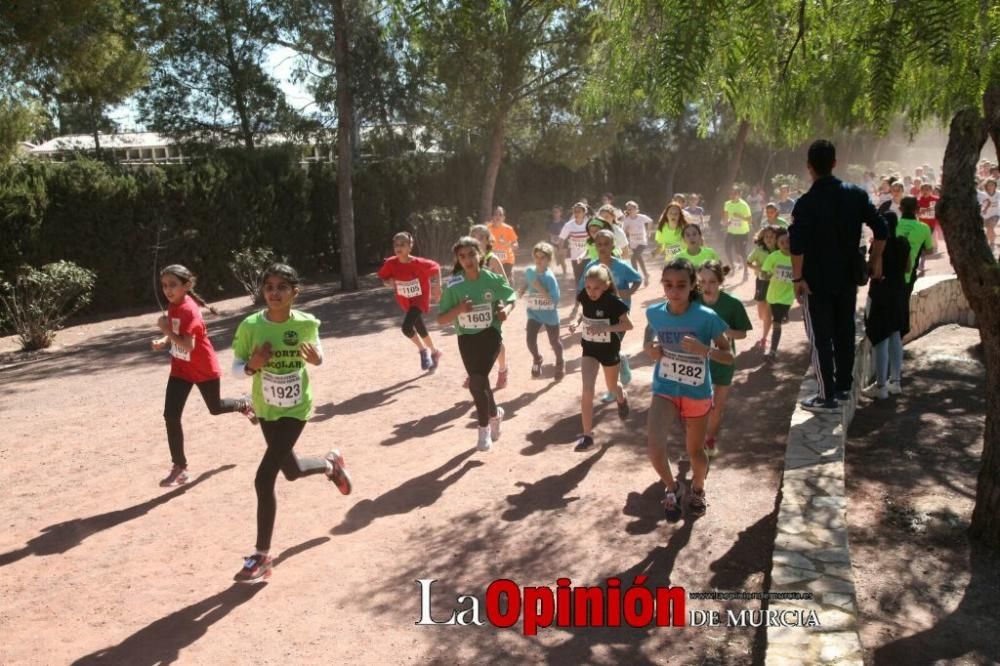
(888,315)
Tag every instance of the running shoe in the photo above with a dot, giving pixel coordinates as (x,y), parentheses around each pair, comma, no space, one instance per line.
(245,407)
(762,343)
(584,443)
(842,396)
(436,359)
(876,392)
(560,371)
(626,371)
(338,472)
(819,405)
(696,503)
(501,379)
(465,384)
(495,424)
(770,355)
(608,397)
(485,443)
(623,407)
(536,369)
(425,360)
(894,388)
(672,503)
(710,449)
(178,477)
(255,567)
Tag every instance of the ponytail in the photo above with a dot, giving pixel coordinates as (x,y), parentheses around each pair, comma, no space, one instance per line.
(201,301)
(187,277)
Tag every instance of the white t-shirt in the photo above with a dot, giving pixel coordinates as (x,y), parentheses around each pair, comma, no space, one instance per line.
(989,204)
(577,236)
(636,228)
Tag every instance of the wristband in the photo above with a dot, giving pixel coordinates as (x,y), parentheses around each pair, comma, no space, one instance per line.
(248,371)
(796,279)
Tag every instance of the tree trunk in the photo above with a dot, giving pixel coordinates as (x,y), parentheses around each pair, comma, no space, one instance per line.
(493,160)
(978,273)
(671,175)
(732,170)
(236,75)
(345,122)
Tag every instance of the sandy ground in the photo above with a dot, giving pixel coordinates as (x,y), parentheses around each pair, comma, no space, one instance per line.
(926,594)
(101,565)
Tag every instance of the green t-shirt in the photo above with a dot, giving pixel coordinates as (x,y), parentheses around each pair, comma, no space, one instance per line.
(919,235)
(671,240)
(758,256)
(738,214)
(281,388)
(779,266)
(704,254)
(593,255)
(735,315)
(485,292)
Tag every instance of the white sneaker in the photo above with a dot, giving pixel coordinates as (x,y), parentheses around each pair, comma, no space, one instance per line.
(485,443)
(894,388)
(877,392)
(495,424)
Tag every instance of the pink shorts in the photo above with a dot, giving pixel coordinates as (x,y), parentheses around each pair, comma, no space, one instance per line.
(690,408)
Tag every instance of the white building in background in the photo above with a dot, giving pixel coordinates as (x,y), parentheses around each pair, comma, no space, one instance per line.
(127,148)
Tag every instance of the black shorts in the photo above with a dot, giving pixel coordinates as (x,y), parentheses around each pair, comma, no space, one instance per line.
(760,290)
(779,312)
(607,354)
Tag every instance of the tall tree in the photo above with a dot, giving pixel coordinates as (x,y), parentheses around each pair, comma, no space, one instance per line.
(210,81)
(86,55)
(351,63)
(489,57)
(845,65)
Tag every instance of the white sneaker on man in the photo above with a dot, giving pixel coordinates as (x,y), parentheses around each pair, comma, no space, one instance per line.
(894,388)
(876,392)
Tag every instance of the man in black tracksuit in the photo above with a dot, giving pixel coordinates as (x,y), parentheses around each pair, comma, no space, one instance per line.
(825,235)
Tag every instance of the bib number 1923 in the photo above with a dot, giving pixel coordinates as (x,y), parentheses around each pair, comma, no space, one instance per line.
(282,390)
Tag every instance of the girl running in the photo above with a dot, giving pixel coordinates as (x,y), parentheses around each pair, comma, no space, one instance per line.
(771,216)
(504,243)
(627,282)
(477,301)
(710,278)
(543,308)
(636,227)
(491,263)
(679,337)
(765,242)
(670,231)
(989,202)
(777,269)
(695,250)
(415,280)
(575,235)
(193,363)
(604,317)
(273,346)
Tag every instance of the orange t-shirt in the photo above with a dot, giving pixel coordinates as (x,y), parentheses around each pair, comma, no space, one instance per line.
(504,238)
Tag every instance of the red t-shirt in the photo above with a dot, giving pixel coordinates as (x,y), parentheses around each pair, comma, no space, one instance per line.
(413,280)
(200,364)
(927,204)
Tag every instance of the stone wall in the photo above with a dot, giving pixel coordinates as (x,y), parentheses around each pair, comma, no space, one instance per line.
(811,550)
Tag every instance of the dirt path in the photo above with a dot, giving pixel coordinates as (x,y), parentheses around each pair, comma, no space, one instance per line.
(98,562)
(925,593)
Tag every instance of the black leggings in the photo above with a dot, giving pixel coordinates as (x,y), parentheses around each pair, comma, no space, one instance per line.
(553,332)
(177,394)
(779,314)
(280,436)
(736,244)
(413,322)
(479,351)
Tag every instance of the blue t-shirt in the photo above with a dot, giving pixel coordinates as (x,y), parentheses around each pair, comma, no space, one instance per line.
(548,315)
(626,278)
(678,373)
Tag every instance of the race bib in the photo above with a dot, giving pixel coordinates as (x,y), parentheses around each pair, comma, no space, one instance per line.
(281,390)
(175,351)
(409,289)
(577,245)
(539,302)
(479,318)
(671,251)
(783,273)
(501,255)
(736,226)
(682,368)
(591,335)
(636,238)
